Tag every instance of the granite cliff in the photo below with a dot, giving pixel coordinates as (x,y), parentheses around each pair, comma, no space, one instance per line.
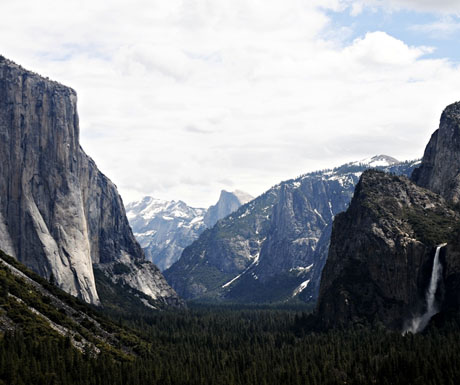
(382,253)
(228,203)
(440,168)
(274,247)
(59,214)
(379,262)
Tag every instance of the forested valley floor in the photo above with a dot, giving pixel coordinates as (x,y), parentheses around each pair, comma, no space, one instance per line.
(233,345)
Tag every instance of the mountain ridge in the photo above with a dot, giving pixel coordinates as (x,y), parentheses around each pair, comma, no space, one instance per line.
(273,248)
(164,228)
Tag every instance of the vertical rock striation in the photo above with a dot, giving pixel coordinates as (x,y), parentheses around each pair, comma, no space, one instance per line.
(440,168)
(228,203)
(274,247)
(382,248)
(381,253)
(58,213)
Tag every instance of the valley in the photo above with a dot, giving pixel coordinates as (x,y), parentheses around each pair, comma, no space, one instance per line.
(344,275)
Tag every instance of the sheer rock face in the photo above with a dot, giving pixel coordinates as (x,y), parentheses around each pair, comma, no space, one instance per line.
(440,172)
(381,252)
(382,248)
(58,212)
(228,203)
(440,168)
(265,250)
(274,247)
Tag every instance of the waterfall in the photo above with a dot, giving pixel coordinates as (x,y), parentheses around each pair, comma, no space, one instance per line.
(419,323)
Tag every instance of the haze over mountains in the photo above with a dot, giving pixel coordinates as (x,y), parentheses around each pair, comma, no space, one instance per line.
(272,248)
(164,228)
(340,270)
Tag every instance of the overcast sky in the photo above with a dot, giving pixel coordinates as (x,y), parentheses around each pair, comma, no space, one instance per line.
(180,99)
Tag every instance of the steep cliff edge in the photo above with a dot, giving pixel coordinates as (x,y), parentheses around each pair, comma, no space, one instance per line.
(228,203)
(381,252)
(440,167)
(58,213)
(382,257)
(274,247)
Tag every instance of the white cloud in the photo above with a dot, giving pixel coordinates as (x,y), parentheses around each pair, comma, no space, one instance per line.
(182,98)
(380,49)
(436,6)
(442,28)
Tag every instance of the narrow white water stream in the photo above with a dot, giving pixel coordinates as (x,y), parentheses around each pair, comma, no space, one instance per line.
(419,323)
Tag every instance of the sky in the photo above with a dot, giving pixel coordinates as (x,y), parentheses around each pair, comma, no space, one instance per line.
(179,99)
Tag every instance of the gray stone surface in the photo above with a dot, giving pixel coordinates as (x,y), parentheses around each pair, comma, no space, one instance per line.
(382,248)
(440,168)
(228,203)
(274,247)
(381,253)
(58,212)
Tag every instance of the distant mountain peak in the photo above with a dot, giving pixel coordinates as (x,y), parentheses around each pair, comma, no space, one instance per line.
(378,161)
(228,202)
(384,250)
(274,247)
(164,228)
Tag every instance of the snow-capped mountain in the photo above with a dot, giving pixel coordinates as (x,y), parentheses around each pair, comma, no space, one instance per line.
(164,228)
(377,161)
(274,247)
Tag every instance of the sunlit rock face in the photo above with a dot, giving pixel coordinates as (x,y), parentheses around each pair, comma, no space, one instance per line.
(58,213)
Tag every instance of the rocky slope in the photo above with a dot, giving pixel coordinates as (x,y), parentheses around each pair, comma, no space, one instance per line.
(30,304)
(58,213)
(165,228)
(274,247)
(382,252)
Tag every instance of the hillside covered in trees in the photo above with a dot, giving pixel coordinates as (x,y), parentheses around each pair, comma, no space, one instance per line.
(207,345)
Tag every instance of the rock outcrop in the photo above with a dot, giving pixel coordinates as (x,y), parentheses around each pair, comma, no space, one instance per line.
(440,168)
(58,213)
(382,248)
(228,203)
(381,253)
(274,247)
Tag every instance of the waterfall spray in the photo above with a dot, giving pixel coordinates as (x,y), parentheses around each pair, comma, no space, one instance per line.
(419,323)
